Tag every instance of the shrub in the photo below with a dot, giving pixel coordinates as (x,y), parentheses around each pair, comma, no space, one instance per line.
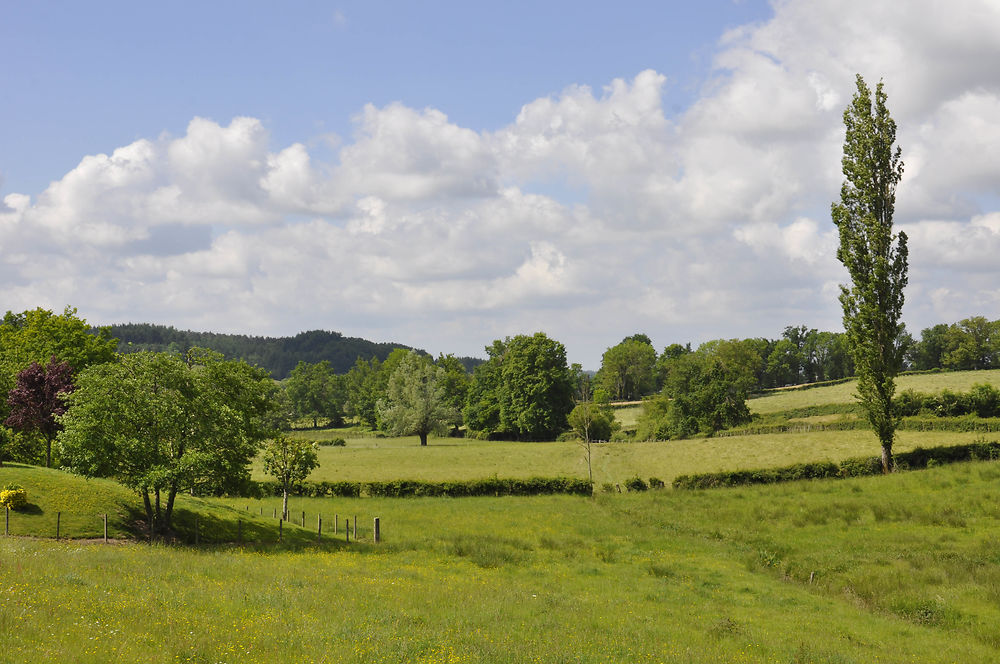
(656,483)
(636,484)
(334,442)
(14,497)
(493,486)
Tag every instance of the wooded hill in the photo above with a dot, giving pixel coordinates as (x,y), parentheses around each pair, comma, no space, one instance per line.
(279,355)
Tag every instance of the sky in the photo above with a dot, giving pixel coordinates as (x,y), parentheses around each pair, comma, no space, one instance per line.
(443,174)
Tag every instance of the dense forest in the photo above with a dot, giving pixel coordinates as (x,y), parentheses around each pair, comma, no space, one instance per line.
(279,355)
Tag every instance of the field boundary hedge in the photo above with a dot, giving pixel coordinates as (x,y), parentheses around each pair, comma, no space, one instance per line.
(854,467)
(962,423)
(532,486)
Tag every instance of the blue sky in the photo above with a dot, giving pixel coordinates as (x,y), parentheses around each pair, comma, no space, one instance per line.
(89,78)
(444,174)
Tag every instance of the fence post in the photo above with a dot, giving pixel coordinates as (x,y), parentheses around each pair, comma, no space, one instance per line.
(105,528)
(378,533)
(58,519)
(319,529)
(336,523)
(303,518)
(347,529)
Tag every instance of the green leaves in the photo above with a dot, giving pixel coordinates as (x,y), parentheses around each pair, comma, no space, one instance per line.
(525,389)
(158,422)
(875,258)
(416,401)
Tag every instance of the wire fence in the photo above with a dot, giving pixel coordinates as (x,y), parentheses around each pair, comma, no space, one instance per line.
(197,528)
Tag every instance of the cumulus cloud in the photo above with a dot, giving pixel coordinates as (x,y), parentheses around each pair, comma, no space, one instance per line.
(590,215)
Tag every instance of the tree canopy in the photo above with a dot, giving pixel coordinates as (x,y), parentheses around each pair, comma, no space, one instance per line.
(289,460)
(705,391)
(36,401)
(38,334)
(316,391)
(628,370)
(874,256)
(416,402)
(524,390)
(161,423)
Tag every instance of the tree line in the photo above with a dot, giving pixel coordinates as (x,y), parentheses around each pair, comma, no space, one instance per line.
(633,369)
(165,422)
(278,355)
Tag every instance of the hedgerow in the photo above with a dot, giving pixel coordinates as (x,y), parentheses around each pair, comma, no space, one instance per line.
(532,486)
(854,467)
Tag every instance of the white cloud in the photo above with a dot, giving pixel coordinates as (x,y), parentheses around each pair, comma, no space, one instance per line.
(590,215)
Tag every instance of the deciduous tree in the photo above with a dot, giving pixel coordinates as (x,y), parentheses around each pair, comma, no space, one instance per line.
(875,257)
(316,391)
(160,424)
(289,460)
(524,390)
(36,401)
(628,369)
(415,401)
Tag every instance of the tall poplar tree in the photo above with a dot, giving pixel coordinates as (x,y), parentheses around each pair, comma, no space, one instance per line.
(875,257)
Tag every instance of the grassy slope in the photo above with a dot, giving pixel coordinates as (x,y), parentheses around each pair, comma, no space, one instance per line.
(371,458)
(904,569)
(844,393)
(448,459)
(82,503)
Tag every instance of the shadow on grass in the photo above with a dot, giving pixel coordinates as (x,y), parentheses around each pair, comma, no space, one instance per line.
(199,530)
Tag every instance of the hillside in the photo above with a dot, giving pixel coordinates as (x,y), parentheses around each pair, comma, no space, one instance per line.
(279,355)
(898,569)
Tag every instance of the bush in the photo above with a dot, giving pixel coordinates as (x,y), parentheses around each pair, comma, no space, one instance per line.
(855,467)
(636,484)
(334,442)
(656,483)
(532,486)
(14,497)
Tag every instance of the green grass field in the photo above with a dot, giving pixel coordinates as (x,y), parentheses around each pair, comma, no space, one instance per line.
(957,381)
(375,459)
(892,569)
(897,569)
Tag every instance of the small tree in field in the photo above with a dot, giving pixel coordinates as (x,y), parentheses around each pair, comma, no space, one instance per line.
(289,460)
(36,400)
(875,258)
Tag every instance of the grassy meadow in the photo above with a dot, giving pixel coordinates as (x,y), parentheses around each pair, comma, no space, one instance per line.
(904,568)
(897,569)
(371,459)
(957,381)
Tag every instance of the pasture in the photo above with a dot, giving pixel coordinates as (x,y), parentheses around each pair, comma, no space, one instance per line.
(877,569)
(370,459)
(896,569)
(956,381)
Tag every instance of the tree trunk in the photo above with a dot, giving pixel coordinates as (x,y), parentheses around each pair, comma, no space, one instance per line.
(284,502)
(886,458)
(48,452)
(423,439)
(156,510)
(167,527)
(149,511)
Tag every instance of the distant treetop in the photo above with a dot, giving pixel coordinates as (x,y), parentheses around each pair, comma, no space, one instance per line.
(279,355)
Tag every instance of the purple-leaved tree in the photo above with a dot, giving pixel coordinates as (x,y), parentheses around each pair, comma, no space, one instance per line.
(36,400)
